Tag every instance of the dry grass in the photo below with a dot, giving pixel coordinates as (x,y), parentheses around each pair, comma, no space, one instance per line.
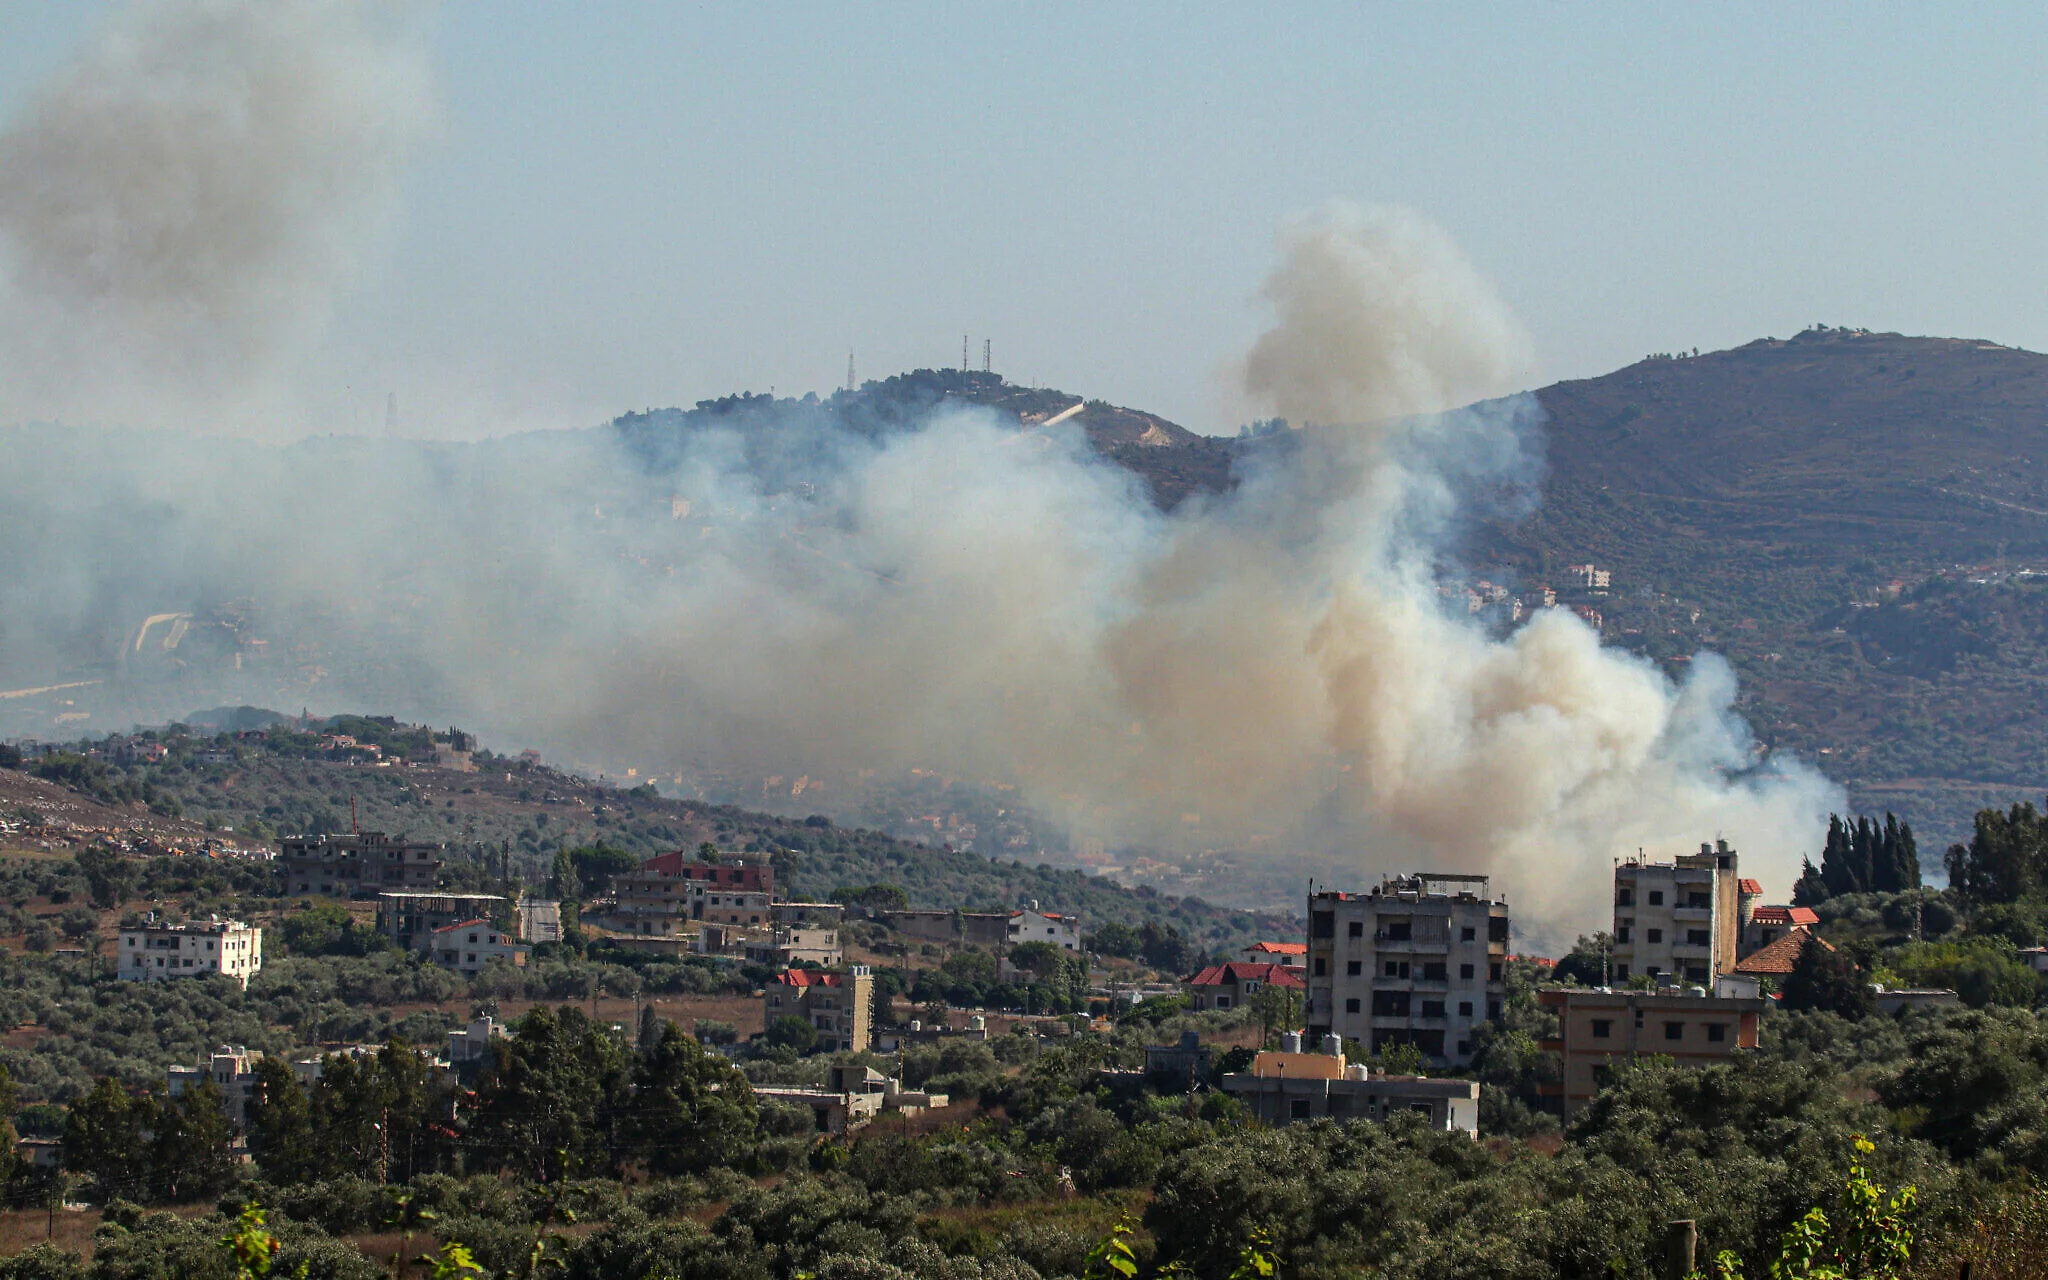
(2009,1242)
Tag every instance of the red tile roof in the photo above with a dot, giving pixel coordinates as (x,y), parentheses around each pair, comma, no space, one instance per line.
(1786,915)
(464,924)
(1781,956)
(1280,948)
(809,978)
(1752,888)
(1237,971)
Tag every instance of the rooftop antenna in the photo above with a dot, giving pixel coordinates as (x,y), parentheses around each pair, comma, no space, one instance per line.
(984,355)
(963,353)
(849,371)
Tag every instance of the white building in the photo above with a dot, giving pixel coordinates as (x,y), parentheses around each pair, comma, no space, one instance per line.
(156,952)
(1679,920)
(471,944)
(1420,960)
(473,1042)
(1063,932)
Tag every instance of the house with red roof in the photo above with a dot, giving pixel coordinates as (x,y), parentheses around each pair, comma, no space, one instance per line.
(471,944)
(1780,957)
(1227,986)
(1767,925)
(835,1004)
(1288,955)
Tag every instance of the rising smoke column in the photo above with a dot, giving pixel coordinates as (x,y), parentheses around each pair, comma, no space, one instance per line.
(179,207)
(178,210)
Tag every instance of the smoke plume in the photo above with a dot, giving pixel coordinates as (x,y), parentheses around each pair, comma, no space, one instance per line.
(179,207)
(782,589)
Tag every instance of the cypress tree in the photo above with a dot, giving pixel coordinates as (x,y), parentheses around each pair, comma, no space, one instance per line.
(1862,854)
(1835,868)
(1810,889)
(1906,855)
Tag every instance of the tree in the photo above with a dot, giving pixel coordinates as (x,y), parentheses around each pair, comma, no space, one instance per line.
(109,877)
(1810,889)
(691,1110)
(103,1138)
(2006,859)
(791,1032)
(280,1121)
(597,864)
(188,1155)
(1825,978)
(1278,1009)
(546,1105)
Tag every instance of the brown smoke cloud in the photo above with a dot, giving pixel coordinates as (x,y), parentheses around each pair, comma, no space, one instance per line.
(179,207)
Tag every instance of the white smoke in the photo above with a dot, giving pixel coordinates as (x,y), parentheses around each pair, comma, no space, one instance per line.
(1270,664)
(180,206)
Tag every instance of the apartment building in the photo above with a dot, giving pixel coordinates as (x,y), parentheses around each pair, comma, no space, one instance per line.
(669,897)
(1680,919)
(1598,1028)
(1061,931)
(836,1004)
(1419,960)
(411,919)
(357,862)
(158,952)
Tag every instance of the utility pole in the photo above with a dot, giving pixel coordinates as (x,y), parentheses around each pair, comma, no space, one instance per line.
(963,353)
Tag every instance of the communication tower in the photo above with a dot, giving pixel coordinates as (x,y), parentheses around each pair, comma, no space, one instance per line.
(984,355)
(963,353)
(849,372)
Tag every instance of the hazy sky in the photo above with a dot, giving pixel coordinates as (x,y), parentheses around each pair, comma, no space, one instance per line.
(647,204)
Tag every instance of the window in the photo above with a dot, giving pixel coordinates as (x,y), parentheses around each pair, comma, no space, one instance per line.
(1621,933)
(1322,924)
(1390,1004)
(1493,973)
(1603,1028)
(1624,897)
(1222,1002)
(1464,1047)
(1656,935)
(1433,971)
(1351,1005)
(1465,972)
(1399,931)
(1353,968)
(1298,1109)
(1656,897)
(1674,1031)
(1621,973)
(1493,1009)
(1717,1033)
(1393,970)
(1695,937)
(1432,1008)
(1464,1011)
(1357,929)
(1320,970)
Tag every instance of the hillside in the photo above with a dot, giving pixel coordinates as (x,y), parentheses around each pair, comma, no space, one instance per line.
(292,781)
(1850,518)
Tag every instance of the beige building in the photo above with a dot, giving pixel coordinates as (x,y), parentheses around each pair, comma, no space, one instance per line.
(470,945)
(232,1069)
(669,897)
(410,919)
(1680,919)
(1419,960)
(153,952)
(838,1004)
(1291,1086)
(1599,1028)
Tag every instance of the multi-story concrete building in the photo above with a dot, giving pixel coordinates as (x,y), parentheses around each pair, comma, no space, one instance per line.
(357,862)
(232,1069)
(836,1004)
(1419,960)
(670,897)
(411,919)
(1599,1027)
(1679,919)
(1061,931)
(157,952)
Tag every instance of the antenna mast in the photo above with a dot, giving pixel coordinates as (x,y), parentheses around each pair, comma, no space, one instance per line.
(984,355)
(963,353)
(849,371)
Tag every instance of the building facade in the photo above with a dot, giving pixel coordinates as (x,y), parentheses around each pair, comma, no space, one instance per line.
(155,952)
(231,1069)
(1598,1028)
(470,945)
(976,928)
(1288,955)
(837,1005)
(1289,1087)
(1061,931)
(1230,986)
(1419,960)
(1679,919)
(410,919)
(668,897)
(357,862)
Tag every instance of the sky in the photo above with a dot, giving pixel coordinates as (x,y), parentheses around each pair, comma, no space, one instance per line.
(633,205)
